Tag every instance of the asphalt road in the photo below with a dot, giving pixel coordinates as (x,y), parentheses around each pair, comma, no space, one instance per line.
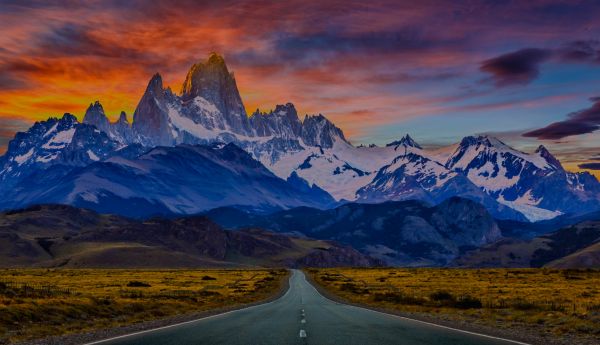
(303,316)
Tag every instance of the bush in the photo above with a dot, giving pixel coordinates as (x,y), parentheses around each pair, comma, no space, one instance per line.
(208,278)
(398,298)
(468,302)
(522,304)
(353,288)
(441,296)
(135,283)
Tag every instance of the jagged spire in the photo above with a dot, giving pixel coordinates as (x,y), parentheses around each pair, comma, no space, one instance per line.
(94,115)
(123,118)
(211,83)
(543,152)
(406,141)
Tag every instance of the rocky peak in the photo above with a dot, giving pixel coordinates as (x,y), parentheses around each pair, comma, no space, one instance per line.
(68,120)
(405,141)
(282,122)
(287,108)
(123,119)
(150,124)
(155,86)
(203,77)
(211,83)
(94,115)
(545,154)
(481,140)
(317,130)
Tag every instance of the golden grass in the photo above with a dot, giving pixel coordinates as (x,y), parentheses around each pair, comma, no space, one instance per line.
(548,300)
(37,303)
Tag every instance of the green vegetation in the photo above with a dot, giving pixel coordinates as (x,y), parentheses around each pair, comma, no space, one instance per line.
(549,301)
(36,303)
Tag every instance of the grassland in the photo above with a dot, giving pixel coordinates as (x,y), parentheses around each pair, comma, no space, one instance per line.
(548,302)
(36,303)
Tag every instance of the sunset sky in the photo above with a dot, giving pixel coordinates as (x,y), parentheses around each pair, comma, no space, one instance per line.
(527,72)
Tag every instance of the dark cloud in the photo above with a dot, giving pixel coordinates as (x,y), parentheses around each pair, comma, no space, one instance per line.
(523,66)
(580,51)
(407,39)
(589,166)
(300,49)
(79,40)
(11,82)
(519,67)
(580,122)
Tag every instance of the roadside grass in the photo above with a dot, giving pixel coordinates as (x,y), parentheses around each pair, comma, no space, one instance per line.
(36,303)
(553,302)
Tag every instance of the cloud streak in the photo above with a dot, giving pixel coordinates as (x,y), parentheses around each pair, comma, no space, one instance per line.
(580,122)
(523,66)
(370,66)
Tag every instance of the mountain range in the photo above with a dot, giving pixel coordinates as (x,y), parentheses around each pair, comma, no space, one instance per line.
(399,233)
(198,149)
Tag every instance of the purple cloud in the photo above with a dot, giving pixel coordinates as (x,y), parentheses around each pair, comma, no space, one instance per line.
(579,122)
(589,166)
(519,67)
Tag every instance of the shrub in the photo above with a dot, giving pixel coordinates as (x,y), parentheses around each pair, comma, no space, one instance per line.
(208,278)
(398,298)
(521,304)
(350,287)
(135,283)
(441,296)
(468,302)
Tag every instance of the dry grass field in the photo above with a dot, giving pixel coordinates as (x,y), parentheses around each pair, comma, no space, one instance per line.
(37,303)
(551,302)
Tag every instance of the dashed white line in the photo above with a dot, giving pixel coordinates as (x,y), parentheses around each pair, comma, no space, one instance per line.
(302,321)
(302,333)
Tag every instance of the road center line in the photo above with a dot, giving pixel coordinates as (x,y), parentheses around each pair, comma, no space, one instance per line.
(302,333)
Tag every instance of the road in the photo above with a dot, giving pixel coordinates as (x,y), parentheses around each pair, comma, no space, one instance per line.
(303,316)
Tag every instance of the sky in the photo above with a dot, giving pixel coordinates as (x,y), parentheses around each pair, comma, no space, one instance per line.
(527,72)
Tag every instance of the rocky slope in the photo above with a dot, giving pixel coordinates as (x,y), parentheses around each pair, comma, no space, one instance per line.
(407,233)
(575,246)
(64,236)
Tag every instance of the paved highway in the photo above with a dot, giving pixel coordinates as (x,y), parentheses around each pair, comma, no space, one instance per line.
(303,316)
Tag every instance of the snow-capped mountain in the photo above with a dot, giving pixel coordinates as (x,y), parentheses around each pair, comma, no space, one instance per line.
(57,141)
(210,109)
(171,180)
(414,176)
(310,152)
(534,184)
(119,131)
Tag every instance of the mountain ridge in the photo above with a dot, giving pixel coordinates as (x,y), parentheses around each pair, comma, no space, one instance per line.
(209,110)
(65,236)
